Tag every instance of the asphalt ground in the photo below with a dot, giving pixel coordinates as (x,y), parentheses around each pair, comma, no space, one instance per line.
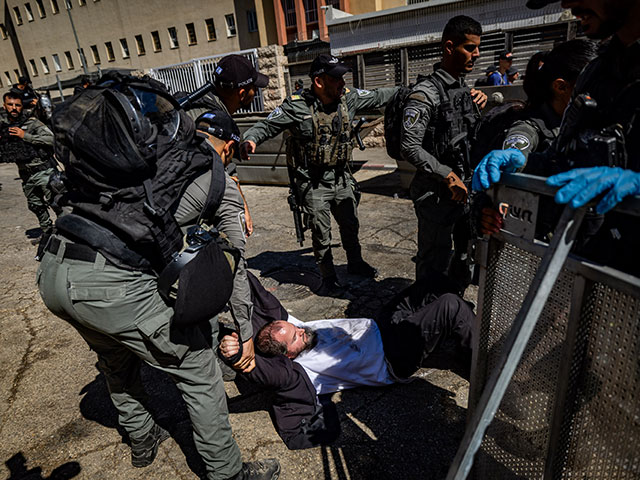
(56,418)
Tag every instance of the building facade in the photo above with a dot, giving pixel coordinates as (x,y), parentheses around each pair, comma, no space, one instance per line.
(37,39)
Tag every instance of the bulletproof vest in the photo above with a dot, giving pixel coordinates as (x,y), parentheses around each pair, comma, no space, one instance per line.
(30,158)
(447,135)
(331,144)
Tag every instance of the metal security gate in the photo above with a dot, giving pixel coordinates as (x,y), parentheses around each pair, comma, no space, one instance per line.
(572,407)
(189,76)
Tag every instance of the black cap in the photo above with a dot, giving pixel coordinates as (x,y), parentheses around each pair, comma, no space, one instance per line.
(491,69)
(236,71)
(219,124)
(512,71)
(535,4)
(506,55)
(328,64)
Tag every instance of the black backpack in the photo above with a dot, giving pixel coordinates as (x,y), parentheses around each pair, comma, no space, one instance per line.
(490,130)
(129,153)
(393,119)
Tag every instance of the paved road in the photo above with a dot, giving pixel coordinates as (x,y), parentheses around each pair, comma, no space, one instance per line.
(56,420)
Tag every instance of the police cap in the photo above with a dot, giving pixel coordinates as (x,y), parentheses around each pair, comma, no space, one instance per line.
(236,71)
(328,64)
(219,124)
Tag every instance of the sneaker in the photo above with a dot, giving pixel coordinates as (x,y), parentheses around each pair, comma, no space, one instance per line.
(268,469)
(143,452)
(362,268)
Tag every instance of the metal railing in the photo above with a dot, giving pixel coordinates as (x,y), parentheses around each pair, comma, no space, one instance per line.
(555,386)
(190,75)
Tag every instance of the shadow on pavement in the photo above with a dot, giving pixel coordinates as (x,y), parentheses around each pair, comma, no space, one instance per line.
(389,184)
(164,403)
(408,431)
(17,466)
(33,232)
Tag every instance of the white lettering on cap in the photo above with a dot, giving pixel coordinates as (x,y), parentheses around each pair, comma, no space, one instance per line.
(334,60)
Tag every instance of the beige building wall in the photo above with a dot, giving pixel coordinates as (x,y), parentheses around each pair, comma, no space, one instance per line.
(117,21)
(358,7)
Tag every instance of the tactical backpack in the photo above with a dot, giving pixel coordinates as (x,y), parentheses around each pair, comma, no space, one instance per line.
(129,153)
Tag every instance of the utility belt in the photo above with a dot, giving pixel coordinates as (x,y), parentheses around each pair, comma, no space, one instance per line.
(325,154)
(27,171)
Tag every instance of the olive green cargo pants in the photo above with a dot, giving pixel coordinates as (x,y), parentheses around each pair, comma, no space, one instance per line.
(122,317)
(39,196)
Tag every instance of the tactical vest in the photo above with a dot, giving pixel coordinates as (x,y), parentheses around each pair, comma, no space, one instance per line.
(447,136)
(331,144)
(29,158)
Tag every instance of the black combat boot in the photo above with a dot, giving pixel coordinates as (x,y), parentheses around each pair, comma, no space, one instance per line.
(143,452)
(330,287)
(268,469)
(362,268)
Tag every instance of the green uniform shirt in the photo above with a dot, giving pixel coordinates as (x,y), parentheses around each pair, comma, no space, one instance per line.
(420,109)
(36,133)
(533,134)
(295,114)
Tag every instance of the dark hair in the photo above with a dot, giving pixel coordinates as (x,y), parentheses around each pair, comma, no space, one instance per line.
(23,80)
(11,94)
(531,74)
(565,61)
(459,26)
(266,343)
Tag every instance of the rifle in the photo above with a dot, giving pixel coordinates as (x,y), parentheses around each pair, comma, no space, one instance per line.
(297,212)
(355,133)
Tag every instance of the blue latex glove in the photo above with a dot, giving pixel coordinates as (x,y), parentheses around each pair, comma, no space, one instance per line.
(489,168)
(582,185)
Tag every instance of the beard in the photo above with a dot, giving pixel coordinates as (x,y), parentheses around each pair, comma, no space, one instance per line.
(311,339)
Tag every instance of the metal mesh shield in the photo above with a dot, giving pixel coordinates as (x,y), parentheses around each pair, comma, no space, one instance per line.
(587,340)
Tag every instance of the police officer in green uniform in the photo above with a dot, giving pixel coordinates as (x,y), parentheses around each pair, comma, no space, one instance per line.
(438,115)
(236,81)
(119,312)
(28,143)
(319,151)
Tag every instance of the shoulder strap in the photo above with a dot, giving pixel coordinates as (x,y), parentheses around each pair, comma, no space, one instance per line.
(216,189)
(438,83)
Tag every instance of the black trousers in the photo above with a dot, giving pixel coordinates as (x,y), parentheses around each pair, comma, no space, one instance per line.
(428,326)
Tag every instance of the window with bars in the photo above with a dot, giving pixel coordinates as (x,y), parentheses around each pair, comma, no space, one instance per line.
(155,39)
(252,21)
(111,56)
(211,29)
(17,15)
(95,54)
(29,12)
(124,47)
(192,39)
(173,37)
(82,3)
(45,65)
(3,31)
(336,3)
(41,11)
(56,62)
(311,11)
(140,45)
(7,77)
(69,59)
(54,7)
(231,24)
(289,8)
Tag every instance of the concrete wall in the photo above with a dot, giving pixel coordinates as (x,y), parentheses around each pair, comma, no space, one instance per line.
(103,21)
(273,63)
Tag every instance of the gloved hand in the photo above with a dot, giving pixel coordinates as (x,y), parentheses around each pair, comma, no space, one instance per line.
(489,168)
(457,188)
(582,185)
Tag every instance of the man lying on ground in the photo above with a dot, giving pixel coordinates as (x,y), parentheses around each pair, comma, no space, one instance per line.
(424,326)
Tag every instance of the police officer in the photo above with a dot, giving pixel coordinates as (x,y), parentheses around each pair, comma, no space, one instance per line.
(28,143)
(119,312)
(320,148)
(605,101)
(28,95)
(236,81)
(438,116)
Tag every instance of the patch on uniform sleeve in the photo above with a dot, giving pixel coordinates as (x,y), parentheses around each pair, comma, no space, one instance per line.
(275,114)
(296,97)
(411,116)
(516,140)
(364,93)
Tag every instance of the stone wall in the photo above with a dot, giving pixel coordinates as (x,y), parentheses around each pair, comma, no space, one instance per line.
(272,62)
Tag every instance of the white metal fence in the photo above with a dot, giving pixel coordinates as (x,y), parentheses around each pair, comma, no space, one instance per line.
(190,75)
